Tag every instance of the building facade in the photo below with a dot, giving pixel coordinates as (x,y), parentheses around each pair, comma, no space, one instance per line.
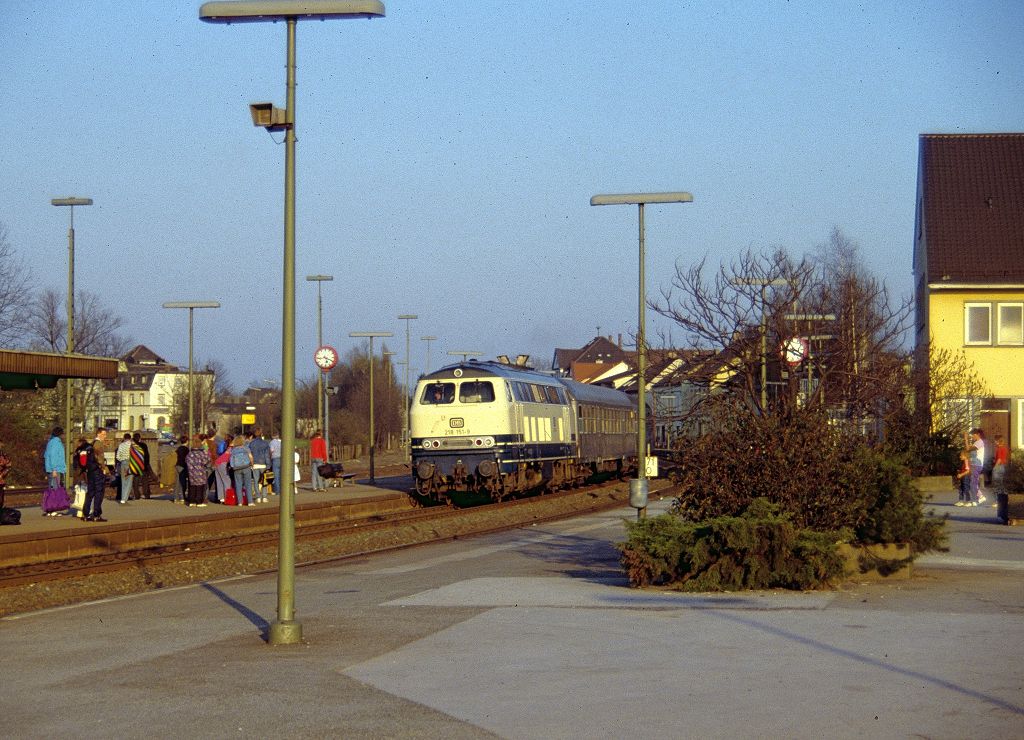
(969,269)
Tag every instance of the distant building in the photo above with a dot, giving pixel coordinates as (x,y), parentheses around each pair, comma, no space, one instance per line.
(598,359)
(969,266)
(142,396)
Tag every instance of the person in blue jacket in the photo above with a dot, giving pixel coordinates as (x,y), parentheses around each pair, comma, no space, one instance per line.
(53,459)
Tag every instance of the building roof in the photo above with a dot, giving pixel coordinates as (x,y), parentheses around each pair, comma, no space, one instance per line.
(598,351)
(972,207)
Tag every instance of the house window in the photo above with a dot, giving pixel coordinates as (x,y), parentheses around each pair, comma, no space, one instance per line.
(1011,323)
(978,323)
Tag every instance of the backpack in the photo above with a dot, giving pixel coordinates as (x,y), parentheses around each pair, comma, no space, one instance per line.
(136,460)
(84,458)
(10,516)
(239,458)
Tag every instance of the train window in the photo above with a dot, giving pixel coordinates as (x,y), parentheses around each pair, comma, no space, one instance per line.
(476,391)
(438,393)
(538,394)
(551,393)
(522,391)
(562,398)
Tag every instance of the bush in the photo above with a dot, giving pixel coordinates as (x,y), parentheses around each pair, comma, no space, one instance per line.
(760,548)
(824,478)
(1015,475)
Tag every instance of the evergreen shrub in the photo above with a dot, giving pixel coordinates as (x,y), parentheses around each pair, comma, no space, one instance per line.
(759,548)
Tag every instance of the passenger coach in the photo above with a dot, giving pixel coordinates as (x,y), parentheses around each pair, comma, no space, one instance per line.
(504,429)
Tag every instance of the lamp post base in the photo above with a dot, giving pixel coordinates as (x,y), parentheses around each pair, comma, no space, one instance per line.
(285,633)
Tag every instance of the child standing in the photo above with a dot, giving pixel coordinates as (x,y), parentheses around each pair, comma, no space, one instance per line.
(963,478)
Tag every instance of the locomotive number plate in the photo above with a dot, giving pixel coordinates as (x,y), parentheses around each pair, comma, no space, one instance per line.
(456,422)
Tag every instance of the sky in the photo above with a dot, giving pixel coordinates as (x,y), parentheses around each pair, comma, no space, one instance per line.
(447,154)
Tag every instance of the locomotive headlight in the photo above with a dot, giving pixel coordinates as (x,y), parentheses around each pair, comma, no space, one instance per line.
(483,442)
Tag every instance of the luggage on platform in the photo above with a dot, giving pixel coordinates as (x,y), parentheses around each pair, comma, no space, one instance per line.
(79,503)
(10,516)
(230,499)
(55,498)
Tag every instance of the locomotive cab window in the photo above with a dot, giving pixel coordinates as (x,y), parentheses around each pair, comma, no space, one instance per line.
(480,391)
(438,393)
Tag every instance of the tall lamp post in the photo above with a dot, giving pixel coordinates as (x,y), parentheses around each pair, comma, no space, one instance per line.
(286,630)
(371,335)
(638,488)
(70,203)
(406,317)
(191,306)
(321,418)
(428,340)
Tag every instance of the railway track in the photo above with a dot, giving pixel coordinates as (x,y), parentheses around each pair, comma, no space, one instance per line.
(372,533)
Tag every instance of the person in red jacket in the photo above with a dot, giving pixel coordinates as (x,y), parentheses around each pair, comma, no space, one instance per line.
(999,465)
(317,456)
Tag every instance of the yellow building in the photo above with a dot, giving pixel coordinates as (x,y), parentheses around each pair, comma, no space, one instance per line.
(969,267)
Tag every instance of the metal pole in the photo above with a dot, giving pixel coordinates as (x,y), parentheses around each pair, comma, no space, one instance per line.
(286,630)
(764,355)
(407,448)
(321,401)
(428,340)
(70,346)
(372,441)
(327,418)
(191,427)
(641,373)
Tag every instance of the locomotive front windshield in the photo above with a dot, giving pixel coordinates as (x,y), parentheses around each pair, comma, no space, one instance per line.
(470,391)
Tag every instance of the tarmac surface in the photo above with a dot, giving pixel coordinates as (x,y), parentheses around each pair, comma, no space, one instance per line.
(534,634)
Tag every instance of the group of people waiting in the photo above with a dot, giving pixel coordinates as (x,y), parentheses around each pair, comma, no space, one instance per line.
(979,469)
(242,469)
(230,469)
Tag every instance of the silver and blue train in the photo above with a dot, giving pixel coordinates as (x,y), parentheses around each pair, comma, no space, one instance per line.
(506,430)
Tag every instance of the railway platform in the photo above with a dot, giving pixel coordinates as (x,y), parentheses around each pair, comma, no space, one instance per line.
(158,521)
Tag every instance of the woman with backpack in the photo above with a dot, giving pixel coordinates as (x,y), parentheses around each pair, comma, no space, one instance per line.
(197,462)
(240,460)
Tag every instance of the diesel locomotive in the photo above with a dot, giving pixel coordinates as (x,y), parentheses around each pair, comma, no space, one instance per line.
(504,430)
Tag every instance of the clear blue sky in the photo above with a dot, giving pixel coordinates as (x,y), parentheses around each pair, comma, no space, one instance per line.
(447,154)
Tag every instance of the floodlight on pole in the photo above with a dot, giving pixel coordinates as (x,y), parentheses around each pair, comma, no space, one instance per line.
(191,306)
(286,629)
(406,446)
(70,348)
(638,488)
(371,335)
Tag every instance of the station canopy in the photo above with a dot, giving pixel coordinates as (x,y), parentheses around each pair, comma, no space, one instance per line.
(26,371)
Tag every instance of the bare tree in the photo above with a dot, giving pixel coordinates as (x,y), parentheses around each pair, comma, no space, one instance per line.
(843,329)
(14,292)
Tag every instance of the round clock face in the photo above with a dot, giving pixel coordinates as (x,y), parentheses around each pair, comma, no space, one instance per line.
(325,357)
(794,350)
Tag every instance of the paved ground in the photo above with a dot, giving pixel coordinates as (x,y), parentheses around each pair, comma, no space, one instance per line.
(533,634)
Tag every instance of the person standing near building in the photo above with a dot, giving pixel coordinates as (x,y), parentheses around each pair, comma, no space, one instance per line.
(977,446)
(275,463)
(240,461)
(1000,464)
(122,458)
(53,459)
(96,477)
(317,457)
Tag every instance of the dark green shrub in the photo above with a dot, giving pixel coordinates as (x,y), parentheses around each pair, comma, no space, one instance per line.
(894,507)
(823,477)
(1015,475)
(761,548)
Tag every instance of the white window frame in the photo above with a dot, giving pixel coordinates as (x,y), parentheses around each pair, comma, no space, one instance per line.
(999,325)
(967,325)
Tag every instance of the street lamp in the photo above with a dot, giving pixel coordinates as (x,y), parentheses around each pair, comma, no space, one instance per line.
(321,419)
(71,203)
(428,340)
(191,306)
(762,283)
(407,317)
(465,354)
(371,335)
(638,488)
(286,630)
